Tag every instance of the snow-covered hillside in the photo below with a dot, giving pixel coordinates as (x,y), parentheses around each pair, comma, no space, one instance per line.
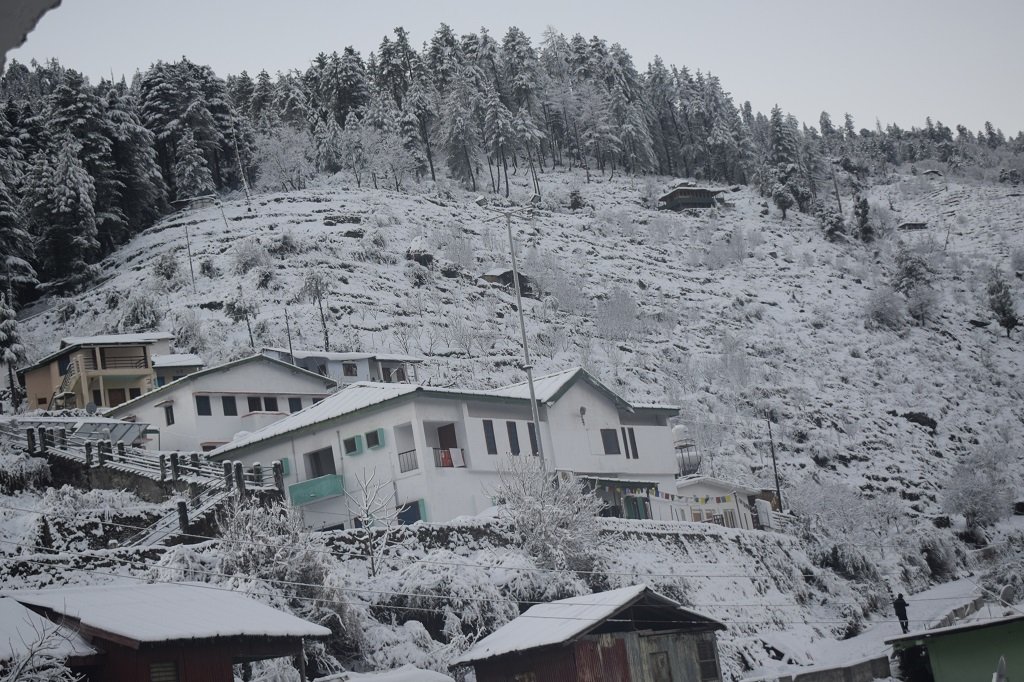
(732,313)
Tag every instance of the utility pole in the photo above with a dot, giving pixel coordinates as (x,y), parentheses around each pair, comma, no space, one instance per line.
(775,466)
(288,328)
(191,268)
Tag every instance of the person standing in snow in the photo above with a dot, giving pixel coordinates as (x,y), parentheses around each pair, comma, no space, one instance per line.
(899,605)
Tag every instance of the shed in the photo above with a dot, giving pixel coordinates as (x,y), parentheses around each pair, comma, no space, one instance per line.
(161,631)
(505,278)
(911,225)
(965,653)
(631,634)
(683,197)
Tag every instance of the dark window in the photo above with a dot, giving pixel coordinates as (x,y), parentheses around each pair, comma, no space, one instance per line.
(373,439)
(492,444)
(97,397)
(169,414)
(533,438)
(349,369)
(399,374)
(134,393)
(320,463)
(203,406)
(161,380)
(166,671)
(611,442)
(294,404)
(632,442)
(270,403)
(707,659)
(513,437)
(255,404)
(386,374)
(227,402)
(316,400)
(353,445)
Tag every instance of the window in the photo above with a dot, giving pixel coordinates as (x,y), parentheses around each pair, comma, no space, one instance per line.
(294,404)
(134,393)
(697,516)
(353,445)
(660,668)
(203,406)
(492,444)
(386,374)
(166,671)
(610,439)
(227,402)
(41,401)
(160,380)
(707,658)
(399,374)
(533,438)
(730,518)
(375,438)
(286,466)
(320,463)
(513,437)
(169,414)
(270,403)
(255,404)
(97,397)
(632,442)
(629,442)
(349,369)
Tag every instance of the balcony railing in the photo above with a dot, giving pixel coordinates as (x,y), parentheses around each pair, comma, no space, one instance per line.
(125,362)
(449,458)
(316,489)
(407,461)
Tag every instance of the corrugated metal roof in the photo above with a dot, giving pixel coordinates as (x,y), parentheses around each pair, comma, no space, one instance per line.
(178,360)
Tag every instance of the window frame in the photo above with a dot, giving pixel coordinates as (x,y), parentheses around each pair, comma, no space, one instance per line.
(254,403)
(315,459)
(169,415)
(490,441)
(610,433)
(349,369)
(226,400)
(270,403)
(201,401)
(294,404)
(357,445)
(532,433)
(512,429)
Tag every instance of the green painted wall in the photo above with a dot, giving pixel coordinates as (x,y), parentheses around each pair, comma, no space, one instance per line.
(972,656)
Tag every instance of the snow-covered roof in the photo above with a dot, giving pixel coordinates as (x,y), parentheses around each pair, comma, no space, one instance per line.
(115,339)
(688,481)
(497,272)
(564,620)
(20,628)
(913,638)
(328,355)
(178,360)
(163,612)
(407,673)
(168,387)
(352,398)
(550,387)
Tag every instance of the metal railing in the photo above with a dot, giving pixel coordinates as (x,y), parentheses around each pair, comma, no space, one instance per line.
(449,458)
(125,362)
(407,461)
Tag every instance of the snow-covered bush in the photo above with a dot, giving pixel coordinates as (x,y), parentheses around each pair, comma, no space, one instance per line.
(140,313)
(373,248)
(18,471)
(285,159)
(166,267)
(249,254)
(189,336)
(555,521)
(981,486)
(884,308)
(616,316)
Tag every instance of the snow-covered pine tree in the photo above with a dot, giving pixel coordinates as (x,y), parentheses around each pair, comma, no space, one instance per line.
(16,246)
(192,177)
(12,351)
(61,208)
(290,100)
(261,110)
(240,89)
(133,148)
(358,141)
(327,144)
(1000,302)
(459,134)
(498,133)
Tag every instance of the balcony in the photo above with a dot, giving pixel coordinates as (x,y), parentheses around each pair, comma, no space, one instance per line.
(125,362)
(316,489)
(407,461)
(449,458)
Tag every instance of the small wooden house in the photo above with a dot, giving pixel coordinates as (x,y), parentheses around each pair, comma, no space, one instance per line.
(505,278)
(168,632)
(683,197)
(631,634)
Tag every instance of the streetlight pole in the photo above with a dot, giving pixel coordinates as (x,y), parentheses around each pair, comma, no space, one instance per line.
(527,365)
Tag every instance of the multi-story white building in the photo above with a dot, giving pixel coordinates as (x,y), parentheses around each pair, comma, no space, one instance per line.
(442,448)
(205,409)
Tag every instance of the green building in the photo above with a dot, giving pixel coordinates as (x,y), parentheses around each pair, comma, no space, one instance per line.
(965,653)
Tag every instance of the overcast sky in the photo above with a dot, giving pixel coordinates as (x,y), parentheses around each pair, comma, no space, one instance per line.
(897,60)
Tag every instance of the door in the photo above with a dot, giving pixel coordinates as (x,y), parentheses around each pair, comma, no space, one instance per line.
(446,437)
(660,668)
(116,396)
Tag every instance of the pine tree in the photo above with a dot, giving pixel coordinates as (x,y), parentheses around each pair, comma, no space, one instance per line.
(290,100)
(862,219)
(16,246)
(261,111)
(133,148)
(61,203)
(327,144)
(12,352)
(240,89)
(459,132)
(1000,302)
(498,132)
(191,175)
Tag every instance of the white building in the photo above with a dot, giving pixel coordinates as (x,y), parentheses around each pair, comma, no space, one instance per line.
(205,409)
(349,368)
(712,500)
(442,447)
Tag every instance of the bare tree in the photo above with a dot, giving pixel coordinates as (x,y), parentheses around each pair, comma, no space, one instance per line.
(554,515)
(315,286)
(462,334)
(40,661)
(374,510)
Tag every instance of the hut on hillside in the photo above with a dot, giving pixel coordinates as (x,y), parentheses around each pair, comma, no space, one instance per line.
(685,196)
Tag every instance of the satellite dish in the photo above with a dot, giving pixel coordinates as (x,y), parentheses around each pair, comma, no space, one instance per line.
(1006,594)
(90,408)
